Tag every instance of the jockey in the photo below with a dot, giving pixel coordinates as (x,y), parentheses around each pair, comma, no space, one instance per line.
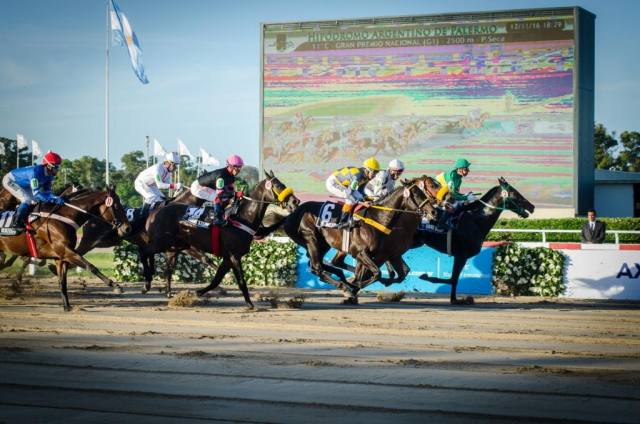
(33,184)
(218,187)
(155,178)
(450,182)
(348,183)
(385,181)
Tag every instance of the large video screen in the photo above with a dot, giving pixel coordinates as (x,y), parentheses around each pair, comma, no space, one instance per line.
(499,92)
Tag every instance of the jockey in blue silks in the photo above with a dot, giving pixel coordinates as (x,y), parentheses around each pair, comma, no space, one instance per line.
(32,184)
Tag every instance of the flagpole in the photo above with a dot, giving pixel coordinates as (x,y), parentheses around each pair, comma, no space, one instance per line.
(17,155)
(106,106)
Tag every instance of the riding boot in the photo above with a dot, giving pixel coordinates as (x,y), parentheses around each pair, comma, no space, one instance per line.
(346,220)
(21,215)
(144,212)
(218,213)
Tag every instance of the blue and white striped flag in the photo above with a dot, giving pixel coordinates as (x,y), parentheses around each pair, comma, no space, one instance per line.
(123,34)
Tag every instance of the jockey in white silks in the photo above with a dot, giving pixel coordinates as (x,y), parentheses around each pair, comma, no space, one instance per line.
(384,182)
(155,178)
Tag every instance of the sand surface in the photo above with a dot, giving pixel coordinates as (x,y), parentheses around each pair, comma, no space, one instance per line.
(131,357)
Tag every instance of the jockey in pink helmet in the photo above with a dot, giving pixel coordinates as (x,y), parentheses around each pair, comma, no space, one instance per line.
(218,187)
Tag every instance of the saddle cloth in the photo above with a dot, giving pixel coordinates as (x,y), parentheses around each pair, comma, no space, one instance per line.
(6,218)
(198,217)
(329,215)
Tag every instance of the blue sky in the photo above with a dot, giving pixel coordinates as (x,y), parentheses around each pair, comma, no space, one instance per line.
(202,58)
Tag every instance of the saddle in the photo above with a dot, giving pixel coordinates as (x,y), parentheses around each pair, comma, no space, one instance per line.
(202,217)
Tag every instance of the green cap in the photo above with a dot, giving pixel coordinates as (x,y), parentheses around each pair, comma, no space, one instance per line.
(461,163)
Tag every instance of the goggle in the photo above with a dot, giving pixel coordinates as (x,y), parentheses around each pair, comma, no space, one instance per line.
(396,171)
(54,167)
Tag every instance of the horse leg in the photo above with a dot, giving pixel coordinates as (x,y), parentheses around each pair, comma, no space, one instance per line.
(399,266)
(324,270)
(73,258)
(236,266)
(148,267)
(171,259)
(22,269)
(365,260)
(61,270)
(458,263)
(338,261)
(220,273)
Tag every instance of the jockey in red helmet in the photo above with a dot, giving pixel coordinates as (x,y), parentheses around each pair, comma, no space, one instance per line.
(31,184)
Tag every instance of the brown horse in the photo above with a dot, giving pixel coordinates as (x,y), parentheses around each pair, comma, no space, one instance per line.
(55,232)
(168,233)
(394,245)
(394,218)
(474,223)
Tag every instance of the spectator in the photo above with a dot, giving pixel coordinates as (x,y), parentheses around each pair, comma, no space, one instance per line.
(593,230)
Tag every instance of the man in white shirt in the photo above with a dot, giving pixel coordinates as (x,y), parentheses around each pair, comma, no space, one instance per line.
(155,178)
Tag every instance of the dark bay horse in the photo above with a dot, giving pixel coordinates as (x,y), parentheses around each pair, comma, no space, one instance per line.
(168,233)
(475,222)
(387,231)
(98,234)
(55,232)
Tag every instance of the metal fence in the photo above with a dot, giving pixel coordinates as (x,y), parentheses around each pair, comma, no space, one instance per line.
(616,233)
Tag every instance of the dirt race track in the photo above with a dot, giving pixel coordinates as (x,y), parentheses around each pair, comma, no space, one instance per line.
(130,357)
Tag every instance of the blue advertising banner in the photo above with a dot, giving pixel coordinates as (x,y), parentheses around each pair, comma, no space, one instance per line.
(475,277)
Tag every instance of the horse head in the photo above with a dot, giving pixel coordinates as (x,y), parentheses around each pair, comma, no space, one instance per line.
(106,205)
(417,196)
(273,190)
(511,199)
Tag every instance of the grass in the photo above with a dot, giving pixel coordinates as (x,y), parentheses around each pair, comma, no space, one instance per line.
(102,260)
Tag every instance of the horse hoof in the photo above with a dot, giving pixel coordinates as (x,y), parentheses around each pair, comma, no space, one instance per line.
(350,301)
(67,308)
(424,277)
(117,289)
(144,290)
(469,300)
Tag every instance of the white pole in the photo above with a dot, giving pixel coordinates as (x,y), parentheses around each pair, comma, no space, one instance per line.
(106,105)
(17,155)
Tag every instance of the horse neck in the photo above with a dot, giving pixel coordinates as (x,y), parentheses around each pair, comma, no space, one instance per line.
(394,201)
(488,216)
(253,212)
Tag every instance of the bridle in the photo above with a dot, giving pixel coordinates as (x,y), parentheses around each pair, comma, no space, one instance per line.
(508,202)
(281,196)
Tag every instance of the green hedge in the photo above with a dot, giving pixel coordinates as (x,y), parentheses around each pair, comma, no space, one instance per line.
(627,224)
(268,263)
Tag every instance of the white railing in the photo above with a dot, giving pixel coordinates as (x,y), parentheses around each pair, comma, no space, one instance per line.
(616,233)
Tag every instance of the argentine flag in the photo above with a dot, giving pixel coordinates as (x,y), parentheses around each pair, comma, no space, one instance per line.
(123,34)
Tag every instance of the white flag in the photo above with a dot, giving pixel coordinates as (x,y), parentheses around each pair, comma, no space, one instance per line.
(183,150)
(207,159)
(35,148)
(21,141)
(158,150)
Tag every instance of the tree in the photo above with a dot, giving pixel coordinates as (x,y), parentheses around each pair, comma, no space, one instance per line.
(603,144)
(629,157)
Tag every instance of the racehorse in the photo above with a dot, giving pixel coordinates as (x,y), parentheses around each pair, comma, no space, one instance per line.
(97,234)
(8,202)
(167,231)
(474,223)
(386,232)
(55,232)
